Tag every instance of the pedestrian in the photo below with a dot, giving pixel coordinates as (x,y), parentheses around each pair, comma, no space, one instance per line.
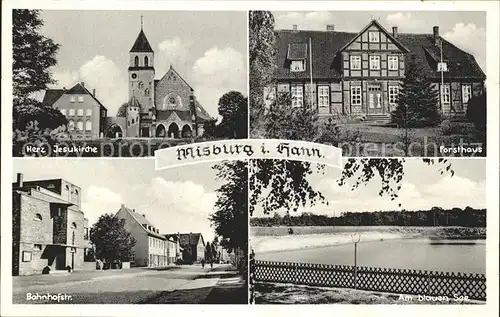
(203,263)
(211,264)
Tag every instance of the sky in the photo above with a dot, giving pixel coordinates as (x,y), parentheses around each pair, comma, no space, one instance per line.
(465,29)
(208,49)
(422,188)
(174,200)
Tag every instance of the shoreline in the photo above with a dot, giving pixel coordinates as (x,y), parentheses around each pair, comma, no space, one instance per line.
(264,244)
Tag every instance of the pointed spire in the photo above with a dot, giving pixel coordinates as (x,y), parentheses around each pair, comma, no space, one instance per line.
(141,23)
(141,44)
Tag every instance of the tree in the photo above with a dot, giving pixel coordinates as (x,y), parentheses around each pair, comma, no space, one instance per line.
(122,111)
(33,55)
(262,62)
(210,129)
(233,107)
(283,184)
(112,241)
(230,218)
(417,100)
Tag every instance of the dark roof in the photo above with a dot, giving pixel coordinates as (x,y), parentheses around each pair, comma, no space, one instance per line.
(297,51)
(134,102)
(52,95)
(326,45)
(201,114)
(164,114)
(187,239)
(141,44)
(143,221)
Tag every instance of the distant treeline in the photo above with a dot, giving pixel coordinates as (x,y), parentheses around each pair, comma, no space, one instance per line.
(468,217)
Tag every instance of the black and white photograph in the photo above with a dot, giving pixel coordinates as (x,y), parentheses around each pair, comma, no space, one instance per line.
(387,83)
(380,231)
(125,83)
(117,232)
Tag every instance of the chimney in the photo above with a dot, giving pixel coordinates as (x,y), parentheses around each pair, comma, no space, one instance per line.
(295,27)
(330,27)
(83,84)
(20,180)
(395,31)
(93,92)
(435,31)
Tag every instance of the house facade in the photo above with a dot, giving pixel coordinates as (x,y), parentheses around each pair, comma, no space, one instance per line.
(193,247)
(85,113)
(175,252)
(152,249)
(48,227)
(359,74)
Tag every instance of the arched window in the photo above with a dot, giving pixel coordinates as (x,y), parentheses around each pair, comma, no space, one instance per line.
(71,125)
(88,125)
(79,125)
(38,217)
(146,61)
(146,92)
(73,225)
(136,61)
(132,120)
(140,85)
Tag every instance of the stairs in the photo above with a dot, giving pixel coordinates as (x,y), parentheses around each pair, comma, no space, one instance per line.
(378,118)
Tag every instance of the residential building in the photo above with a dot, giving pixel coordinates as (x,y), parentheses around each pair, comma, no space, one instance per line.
(175,251)
(359,74)
(152,249)
(49,230)
(193,247)
(85,113)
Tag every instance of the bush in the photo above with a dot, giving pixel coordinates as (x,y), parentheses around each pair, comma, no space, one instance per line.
(46,270)
(36,136)
(451,127)
(476,111)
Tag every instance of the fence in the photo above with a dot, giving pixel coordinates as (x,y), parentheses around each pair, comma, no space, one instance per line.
(401,281)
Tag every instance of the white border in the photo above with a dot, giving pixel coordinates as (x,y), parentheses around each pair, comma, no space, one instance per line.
(490,309)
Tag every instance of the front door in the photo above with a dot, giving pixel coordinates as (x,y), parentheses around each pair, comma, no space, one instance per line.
(375,105)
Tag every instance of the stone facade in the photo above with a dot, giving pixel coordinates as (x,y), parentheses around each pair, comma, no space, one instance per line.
(49,228)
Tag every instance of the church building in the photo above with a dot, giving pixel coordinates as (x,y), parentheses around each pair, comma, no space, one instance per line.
(159,108)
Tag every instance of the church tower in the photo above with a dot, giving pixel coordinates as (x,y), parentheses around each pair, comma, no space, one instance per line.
(141,72)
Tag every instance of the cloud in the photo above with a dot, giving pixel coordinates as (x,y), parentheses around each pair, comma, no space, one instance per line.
(98,201)
(173,52)
(178,206)
(304,21)
(471,39)
(217,72)
(405,21)
(459,192)
(101,74)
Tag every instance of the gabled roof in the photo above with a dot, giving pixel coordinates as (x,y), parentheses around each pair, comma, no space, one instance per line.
(187,239)
(325,45)
(141,44)
(52,95)
(389,35)
(141,220)
(171,69)
(184,115)
(297,51)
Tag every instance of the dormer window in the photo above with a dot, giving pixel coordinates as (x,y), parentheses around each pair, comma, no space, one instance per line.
(374,36)
(297,66)
(297,54)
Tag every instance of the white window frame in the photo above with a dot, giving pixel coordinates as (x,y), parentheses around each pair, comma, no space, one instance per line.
(374,39)
(393,62)
(71,125)
(88,125)
(71,112)
(355,60)
(80,112)
(88,112)
(445,94)
(466,92)
(297,95)
(80,98)
(297,66)
(374,58)
(323,96)
(63,111)
(72,99)
(79,125)
(356,96)
(393,92)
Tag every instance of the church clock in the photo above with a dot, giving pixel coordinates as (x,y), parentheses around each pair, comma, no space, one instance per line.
(134,75)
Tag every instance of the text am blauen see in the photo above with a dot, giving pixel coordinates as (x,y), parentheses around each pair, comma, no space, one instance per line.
(285,150)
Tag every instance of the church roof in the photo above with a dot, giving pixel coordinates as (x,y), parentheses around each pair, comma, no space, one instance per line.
(141,44)
(134,102)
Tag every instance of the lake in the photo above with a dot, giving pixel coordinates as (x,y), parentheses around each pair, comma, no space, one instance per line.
(417,254)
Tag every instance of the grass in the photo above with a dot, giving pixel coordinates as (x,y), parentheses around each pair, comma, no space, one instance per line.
(279,293)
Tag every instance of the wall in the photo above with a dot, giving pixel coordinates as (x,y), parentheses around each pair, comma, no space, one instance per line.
(88,103)
(141,248)
(145,74)
(172,85)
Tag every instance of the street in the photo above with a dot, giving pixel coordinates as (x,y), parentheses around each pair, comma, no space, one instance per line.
(189,284)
